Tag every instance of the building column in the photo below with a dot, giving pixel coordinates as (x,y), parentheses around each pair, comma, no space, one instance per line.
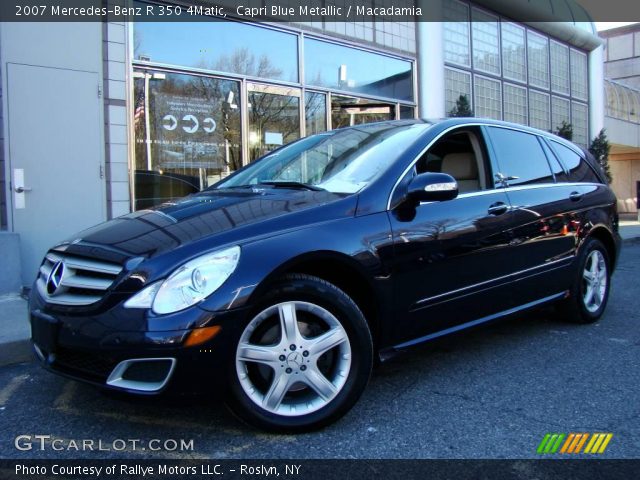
(430,63)
(596,92)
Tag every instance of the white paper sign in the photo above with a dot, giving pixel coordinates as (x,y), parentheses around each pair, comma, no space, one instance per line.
(273,138)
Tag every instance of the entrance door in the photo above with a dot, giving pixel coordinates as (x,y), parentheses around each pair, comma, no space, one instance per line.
(274,117)
(187,134)
(55,157)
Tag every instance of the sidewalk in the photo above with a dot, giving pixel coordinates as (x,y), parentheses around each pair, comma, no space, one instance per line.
(630,229)
(15,346)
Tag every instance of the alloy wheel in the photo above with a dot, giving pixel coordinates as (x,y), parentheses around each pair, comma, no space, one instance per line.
(293,358)
(595,278)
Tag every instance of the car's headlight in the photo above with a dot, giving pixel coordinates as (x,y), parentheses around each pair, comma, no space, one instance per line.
(189,284)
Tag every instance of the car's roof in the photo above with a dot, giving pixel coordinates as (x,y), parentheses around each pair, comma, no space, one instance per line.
(474,121)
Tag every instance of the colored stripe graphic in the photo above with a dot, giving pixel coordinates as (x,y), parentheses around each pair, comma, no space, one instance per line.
(556,445)
(543,443)
(581,443)
(565,447)
(574,444)
(598,443)
(551,443)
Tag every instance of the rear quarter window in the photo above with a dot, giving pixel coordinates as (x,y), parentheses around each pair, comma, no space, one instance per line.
(579,169)
(519,154)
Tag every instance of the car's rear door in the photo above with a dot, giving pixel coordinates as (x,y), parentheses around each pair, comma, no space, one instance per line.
(543,235)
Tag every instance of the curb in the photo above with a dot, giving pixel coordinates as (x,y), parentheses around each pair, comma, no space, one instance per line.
(18,351)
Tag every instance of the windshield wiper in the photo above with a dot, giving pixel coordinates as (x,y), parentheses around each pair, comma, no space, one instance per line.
(294,185)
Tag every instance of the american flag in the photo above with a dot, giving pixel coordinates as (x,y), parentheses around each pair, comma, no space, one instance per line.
(138,114)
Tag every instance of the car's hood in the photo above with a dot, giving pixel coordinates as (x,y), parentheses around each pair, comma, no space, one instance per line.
(227,215)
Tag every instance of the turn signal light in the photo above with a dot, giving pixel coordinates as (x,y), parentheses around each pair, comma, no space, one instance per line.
(201,335)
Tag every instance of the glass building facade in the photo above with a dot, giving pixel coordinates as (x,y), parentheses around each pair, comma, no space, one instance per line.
(209,97)
(511,72)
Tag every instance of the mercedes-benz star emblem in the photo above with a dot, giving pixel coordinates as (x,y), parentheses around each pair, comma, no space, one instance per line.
(55,278)
(294,359)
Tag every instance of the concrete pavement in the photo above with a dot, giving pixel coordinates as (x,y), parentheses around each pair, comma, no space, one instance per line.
(15,332)
(493,392)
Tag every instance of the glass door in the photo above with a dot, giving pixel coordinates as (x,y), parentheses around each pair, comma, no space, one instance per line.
(274,117)
(187,134)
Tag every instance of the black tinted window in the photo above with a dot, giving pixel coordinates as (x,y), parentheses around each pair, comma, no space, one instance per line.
(556,166)
(579,169)
(520,155)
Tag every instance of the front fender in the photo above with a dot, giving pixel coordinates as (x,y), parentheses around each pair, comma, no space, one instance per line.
(363,242)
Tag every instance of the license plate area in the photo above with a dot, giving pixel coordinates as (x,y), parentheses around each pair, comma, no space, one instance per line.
(44,331)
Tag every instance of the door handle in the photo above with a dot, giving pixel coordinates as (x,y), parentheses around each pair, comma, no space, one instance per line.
(498,208)
(22,189)
(575,196)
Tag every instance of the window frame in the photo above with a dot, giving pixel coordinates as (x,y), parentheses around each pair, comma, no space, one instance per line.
(506,85)
(498,168)
(532,81)
(529,111)
(579,104)
(583,160)
(469,74)
(567,91)
(468,25)
(525,79)
(568,104)
(473,41)
(577,97)
(480,150)
(475,93)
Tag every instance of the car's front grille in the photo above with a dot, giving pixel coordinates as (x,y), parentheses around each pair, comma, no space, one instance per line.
(76,280)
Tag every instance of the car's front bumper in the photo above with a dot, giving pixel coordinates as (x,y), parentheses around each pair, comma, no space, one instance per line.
(98,348)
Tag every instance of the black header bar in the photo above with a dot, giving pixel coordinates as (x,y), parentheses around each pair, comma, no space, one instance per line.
(305,10)
(132,469)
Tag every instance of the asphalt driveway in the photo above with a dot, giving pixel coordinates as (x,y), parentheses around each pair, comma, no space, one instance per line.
(491,393)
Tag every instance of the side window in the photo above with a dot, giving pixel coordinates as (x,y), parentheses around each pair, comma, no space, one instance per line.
(520,155)
(579,169)
(556,166)
(461,155)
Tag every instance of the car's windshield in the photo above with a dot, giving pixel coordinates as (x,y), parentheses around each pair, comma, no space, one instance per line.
(340,161)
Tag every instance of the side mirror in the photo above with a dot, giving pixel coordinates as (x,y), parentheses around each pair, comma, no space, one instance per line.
(432,187)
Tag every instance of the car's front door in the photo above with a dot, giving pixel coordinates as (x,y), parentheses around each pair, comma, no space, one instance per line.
(451,261)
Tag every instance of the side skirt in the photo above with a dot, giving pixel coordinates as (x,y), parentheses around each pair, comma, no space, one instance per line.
(389,352)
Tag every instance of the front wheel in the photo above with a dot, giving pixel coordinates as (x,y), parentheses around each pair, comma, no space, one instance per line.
(590,291)
(303,359)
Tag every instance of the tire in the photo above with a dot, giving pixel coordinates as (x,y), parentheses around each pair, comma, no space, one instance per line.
(589,292)
(303,358)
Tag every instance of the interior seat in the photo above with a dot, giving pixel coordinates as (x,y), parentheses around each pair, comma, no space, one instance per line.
(464,168)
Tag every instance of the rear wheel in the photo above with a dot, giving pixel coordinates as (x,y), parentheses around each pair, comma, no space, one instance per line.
(590,291)
(303,359)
